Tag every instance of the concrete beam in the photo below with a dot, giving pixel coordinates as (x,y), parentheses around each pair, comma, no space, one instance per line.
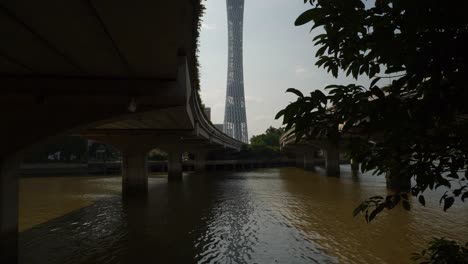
(64,91)
(86,86)
(200,161)
(174,169)
(309,160)
(134,171)
(134,148)
(299,160)
(9,187)
(96,132)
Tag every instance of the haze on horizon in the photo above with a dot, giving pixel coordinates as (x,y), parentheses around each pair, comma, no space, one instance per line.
(277,56)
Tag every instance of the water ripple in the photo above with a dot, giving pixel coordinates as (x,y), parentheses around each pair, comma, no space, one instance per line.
(263,216)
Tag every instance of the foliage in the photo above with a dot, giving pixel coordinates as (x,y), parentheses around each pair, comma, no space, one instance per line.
(195,66)
(416,127)
(101,151)
(266,145)
(269,138)
(157,155)
(442,251)
(64,149)
(263,146)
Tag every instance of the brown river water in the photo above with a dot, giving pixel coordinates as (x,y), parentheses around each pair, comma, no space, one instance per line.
(278,215)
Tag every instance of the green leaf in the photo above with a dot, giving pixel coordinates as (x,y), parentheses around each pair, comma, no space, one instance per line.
(280,113)
(334,71)
(319,37)
(422,200)
(464,196)
(374,81)
(377,92)
(359,209)
(376,211)
(307,16)
(448,202)
(321,51)
(295,91)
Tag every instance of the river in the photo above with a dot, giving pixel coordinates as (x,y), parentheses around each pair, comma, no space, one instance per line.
(278,215)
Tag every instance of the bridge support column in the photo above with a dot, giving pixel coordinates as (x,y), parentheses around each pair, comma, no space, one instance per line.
(354,167)
(332,161)
(134,171)
(200,161)
(174,166)
(397,182)
(309,160)
(299,160)
(9,187)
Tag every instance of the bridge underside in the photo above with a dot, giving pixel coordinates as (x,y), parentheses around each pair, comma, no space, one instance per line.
(73,65)
(307,156)
(118,71)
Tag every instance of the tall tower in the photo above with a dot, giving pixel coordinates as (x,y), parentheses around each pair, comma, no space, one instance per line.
(235,120)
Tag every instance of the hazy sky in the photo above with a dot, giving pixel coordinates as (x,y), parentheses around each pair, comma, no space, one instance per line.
(277,55)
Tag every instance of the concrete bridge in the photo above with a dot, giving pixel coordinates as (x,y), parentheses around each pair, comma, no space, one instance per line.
(122,72)
(307,153)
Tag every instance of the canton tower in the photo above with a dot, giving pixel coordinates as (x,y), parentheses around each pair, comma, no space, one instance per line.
(235,120)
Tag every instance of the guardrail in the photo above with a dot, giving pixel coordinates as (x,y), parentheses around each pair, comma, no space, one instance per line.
(204,125)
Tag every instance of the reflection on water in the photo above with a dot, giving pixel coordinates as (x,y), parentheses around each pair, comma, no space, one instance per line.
(282,215)
(45,198)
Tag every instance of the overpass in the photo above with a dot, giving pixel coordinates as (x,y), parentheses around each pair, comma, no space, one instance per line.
(307,153)
(306,150)
(122,72)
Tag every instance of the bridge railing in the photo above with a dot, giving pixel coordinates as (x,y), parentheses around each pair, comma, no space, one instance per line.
(287,137)
(203,126)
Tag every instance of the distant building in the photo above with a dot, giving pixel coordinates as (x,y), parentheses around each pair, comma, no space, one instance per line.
(208,113)
(219,126)
(235,120)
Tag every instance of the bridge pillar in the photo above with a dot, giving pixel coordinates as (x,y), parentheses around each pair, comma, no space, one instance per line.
(309,160)
(134,171)
(354,167)
(299,160)
(174,166)
(200,161)
(332,161)
(9,187)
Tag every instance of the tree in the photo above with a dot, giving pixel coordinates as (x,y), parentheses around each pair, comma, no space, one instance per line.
(266,145)
(69,148)
(263,146)
(157,155)
(414,128)
(269,138)
(98,150)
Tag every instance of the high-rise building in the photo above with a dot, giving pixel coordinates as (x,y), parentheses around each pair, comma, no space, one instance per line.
(207,111)
(235,120)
